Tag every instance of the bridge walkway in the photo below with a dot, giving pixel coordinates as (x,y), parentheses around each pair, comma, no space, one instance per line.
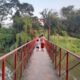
(40,67)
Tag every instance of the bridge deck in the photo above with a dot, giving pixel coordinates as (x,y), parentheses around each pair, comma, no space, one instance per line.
(40,67)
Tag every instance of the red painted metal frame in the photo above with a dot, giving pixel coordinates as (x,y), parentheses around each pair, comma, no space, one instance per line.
(60,62)
(3,69)
(67,65)
(21,65)
(55,57)
(54,48)
(23,58)
(15,65)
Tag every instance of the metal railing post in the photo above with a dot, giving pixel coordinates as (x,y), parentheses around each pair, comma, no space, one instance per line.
(19,60)
(21,64)
(67,64)
(53,53)
(60,57)
(3,70)
(55,57)
(24,57)
(15,65)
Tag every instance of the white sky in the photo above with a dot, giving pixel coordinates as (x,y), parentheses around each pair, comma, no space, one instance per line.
(56,5)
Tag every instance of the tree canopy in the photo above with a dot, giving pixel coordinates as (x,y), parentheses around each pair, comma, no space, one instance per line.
(6,8)
(50,19)
(71,22)
(68,20)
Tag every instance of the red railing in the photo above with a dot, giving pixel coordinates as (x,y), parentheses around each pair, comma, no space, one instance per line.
(65,62)
(16,61)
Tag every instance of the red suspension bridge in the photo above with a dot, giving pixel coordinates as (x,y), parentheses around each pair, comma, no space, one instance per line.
(27,63)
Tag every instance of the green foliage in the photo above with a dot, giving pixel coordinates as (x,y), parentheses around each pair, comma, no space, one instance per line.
(6,7)
(70,43)
(51,19)
(36,24)
(63,33)
(7,38)
(18,22)
(0,25)
(24,38)
(27,23)
(67,11)
(71,21)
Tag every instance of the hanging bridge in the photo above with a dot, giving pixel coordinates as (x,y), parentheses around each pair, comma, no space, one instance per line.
(29,63)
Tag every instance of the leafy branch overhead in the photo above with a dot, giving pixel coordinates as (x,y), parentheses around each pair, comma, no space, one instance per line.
(7,7)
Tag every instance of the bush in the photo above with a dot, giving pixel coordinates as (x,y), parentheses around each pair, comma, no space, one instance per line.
(63,33)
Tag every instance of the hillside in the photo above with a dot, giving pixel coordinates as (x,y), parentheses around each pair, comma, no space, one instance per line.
(70,43)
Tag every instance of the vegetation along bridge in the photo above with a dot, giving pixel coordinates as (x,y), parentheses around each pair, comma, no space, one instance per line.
(28,63)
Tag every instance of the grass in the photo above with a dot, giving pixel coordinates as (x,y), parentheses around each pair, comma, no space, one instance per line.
(70,43)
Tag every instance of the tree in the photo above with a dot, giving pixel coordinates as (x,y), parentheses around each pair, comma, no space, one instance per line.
(6,8)
(67,11)
(71,21)
(51,19)
(7,38)
(18,22)
(35,23)
(26,9)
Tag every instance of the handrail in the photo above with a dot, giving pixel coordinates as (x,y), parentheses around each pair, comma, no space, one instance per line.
(7,54)
(71,60)
(20,57)
(72,53)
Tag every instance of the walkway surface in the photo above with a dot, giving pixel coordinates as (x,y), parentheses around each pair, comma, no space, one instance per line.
(40,67)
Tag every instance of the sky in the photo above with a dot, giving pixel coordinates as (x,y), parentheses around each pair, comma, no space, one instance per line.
(56,5)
